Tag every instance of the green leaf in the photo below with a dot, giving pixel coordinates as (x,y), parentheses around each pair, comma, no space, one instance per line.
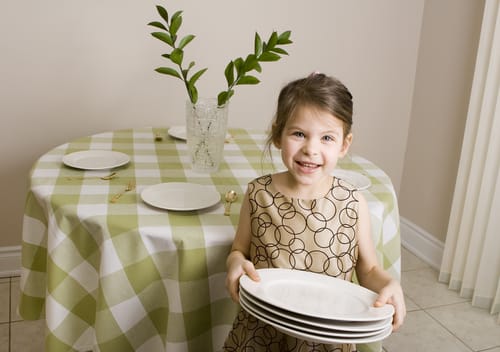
(239,63)
(284,38)
(193,93)
(196,76)
(224,97)
(175,23)
(257,45)
(166,56)
(176,56)
(168,71)
(157,25)
(258,68)
(279,51)
(248,80)
(250,63)
(185,41)
(163,13)
(191,64)
(269,56)
(273,40)
(164,37)
(176,15)
(229,73)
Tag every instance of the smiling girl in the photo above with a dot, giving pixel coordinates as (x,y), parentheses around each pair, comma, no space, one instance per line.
(304,218)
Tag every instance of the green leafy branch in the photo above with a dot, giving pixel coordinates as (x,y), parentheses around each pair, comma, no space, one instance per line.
(236,72)
(176,56)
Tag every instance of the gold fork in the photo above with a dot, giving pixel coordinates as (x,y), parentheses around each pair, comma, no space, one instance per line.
(107,177)
(129,187)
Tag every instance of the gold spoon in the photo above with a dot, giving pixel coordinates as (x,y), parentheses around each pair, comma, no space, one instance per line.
(230,197)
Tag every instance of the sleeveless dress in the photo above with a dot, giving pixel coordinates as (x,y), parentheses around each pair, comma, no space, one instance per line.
(316,235)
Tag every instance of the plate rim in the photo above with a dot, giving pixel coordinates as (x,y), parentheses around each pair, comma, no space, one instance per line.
(257,289)
(342,325)
(318,338)
(348,328)
(178,132)
(123,159)
(367,184)
(213,200)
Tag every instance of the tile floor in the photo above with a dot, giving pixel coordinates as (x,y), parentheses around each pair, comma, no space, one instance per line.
(437,320)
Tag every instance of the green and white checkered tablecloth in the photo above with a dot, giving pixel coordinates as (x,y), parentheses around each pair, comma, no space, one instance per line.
(128,277)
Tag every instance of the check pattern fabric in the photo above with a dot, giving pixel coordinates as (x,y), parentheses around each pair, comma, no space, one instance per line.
(125,276)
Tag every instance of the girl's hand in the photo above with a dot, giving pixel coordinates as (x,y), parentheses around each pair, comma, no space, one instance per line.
(392,294)
(238,265)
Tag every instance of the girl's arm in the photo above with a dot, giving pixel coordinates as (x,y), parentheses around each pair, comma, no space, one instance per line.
(370,274)
(237,262)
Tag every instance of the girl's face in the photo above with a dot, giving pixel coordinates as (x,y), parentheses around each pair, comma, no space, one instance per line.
(311,144)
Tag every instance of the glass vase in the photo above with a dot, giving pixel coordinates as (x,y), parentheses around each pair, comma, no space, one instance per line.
(206,125)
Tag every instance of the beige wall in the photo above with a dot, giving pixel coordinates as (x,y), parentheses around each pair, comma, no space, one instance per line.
(73,68)
(447,52)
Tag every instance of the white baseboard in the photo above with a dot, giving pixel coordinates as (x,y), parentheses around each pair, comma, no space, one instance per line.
(10,261)
(421,243)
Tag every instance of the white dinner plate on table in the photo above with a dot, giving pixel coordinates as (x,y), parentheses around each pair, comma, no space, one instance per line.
(95,159)
(180,196)
(315,295)
(178,132)
(354,178)
(315,337)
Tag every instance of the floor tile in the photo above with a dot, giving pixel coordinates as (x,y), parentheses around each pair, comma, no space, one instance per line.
(421,333)
(474,326)
(410,305)
(4,337)
(35,329)
(410,261)
(4,299)
(424,289)
(14,299)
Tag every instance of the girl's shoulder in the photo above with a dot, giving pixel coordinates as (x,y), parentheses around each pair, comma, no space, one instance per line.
(261,182)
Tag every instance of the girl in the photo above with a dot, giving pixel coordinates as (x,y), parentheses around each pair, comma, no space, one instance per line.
(304,218)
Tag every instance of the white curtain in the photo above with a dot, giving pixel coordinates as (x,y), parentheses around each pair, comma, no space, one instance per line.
(471,259)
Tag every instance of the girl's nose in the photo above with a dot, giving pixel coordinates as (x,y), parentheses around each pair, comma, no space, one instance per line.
(310,147)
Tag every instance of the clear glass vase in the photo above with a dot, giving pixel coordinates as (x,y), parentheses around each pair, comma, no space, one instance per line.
(206,125)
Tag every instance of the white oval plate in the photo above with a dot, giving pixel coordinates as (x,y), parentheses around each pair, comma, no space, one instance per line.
(320,338)
(180,196)
(337,328)
(315,295)
(356,179)
(178,132)
(95,159)
(362,327)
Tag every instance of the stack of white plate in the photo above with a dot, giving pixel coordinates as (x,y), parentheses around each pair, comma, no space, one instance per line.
(315,307)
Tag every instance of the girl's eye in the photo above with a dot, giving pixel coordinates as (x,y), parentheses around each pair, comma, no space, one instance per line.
(328,138)
(298,134)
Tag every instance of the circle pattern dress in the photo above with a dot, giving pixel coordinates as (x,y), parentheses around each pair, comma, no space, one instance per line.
(316,235)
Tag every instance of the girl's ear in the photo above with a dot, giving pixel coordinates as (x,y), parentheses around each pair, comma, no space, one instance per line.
(345,145)
(276,138)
